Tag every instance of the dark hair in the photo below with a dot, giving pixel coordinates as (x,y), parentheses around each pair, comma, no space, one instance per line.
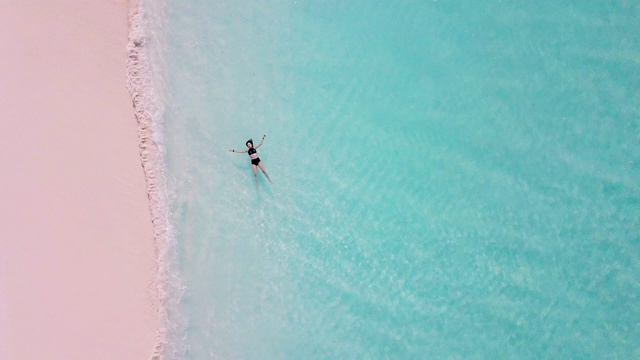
(249,141)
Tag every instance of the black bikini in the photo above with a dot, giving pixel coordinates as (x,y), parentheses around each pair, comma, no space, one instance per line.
(255,161)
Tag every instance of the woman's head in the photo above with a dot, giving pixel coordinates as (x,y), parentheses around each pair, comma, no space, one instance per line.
(249,143)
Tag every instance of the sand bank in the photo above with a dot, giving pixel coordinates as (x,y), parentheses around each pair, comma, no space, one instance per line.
(77,258)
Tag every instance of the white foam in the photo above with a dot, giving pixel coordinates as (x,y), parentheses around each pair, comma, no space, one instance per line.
(149,112)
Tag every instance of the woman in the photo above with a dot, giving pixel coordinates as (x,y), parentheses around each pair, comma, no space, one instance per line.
(255,160)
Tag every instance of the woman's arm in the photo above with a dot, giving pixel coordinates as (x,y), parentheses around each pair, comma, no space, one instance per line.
(238,151)
(261,141)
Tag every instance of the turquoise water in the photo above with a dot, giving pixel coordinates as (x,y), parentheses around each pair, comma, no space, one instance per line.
(450,179)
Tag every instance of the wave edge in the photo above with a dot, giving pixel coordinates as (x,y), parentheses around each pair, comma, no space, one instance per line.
(148,112)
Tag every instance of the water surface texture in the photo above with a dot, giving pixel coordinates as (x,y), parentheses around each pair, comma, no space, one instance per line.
(451,179)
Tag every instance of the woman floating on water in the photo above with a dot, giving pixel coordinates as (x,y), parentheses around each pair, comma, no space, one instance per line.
(255,160)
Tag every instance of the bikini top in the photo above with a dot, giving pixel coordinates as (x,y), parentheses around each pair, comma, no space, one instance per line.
(252,151)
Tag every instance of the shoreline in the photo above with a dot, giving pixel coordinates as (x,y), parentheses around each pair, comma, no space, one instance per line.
(80,263)
(148,112)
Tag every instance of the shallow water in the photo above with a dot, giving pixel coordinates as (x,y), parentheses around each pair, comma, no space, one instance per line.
(450,179)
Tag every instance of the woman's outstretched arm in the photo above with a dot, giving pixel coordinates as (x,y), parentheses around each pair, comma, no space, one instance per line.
(261,141)
(239,151)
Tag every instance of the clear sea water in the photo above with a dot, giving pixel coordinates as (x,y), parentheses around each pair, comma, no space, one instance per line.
(451,179)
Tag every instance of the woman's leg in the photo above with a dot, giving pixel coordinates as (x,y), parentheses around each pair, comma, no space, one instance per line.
(255,173)
(265,173)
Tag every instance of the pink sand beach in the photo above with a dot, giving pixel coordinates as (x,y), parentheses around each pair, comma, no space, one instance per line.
(77,255)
